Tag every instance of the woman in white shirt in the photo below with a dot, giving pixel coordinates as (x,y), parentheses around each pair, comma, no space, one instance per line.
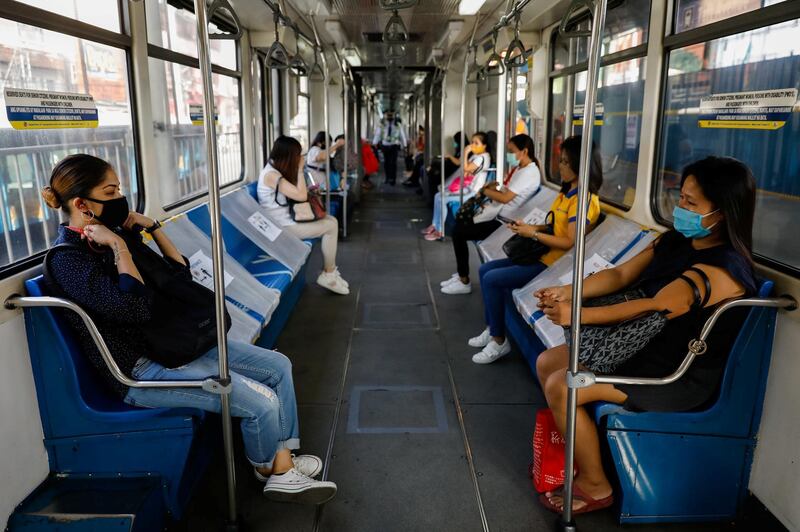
(522,183)
(315,158)
(280,181)
(477,170)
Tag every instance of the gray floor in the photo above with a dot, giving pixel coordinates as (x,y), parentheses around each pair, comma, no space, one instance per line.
(388,393)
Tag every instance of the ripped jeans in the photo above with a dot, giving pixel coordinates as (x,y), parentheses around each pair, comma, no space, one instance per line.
(262,395)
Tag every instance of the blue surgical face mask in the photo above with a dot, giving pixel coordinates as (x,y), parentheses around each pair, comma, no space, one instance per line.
(690,224)
(511,160)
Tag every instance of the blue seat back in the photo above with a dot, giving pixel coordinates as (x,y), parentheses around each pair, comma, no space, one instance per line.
(252,188)
(737,410)
(237,245)
(73,398)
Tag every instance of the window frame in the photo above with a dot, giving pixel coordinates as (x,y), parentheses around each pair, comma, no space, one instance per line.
(170,56)
(637,52)
(742,23)
(47,20)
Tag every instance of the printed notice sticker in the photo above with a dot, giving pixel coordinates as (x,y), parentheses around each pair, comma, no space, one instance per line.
(198,118)
(767,110)
(578,112)
(32,109)
(535,217)
(592,265)
(203,270)
(264,225)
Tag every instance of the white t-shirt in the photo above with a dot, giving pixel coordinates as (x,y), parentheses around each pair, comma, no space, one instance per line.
(483,161)
(267,199)
(524,183)
(316,168)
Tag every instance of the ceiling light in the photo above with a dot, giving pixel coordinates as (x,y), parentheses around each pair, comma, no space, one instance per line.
(470,7)
(352,56)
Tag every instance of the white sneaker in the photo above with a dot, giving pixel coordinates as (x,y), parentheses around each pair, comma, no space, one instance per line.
(482,340)
(306,464)
(448,281)
(333,282)
(293,486)
(338,273)
(492,352)
(457,288)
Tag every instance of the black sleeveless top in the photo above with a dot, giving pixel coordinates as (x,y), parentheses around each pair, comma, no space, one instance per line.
(674,254)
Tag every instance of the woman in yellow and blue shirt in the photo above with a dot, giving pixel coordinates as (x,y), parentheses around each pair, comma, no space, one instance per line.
(500,276)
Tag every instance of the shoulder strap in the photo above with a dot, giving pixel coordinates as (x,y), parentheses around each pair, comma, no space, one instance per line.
(277,191)
(699,301)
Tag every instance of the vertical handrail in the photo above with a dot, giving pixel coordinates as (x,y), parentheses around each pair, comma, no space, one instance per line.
(442,114)
(345,171)
(217,250)
(598,21)
(464,111)
(326,117)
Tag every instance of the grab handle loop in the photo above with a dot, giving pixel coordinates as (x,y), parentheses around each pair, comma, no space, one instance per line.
(494,65)
(298,66)
(393,5)
(518,59)
(277,56)
(575,6)
(224,4)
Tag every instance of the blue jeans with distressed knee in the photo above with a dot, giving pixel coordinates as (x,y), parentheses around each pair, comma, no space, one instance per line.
(262,395)
(499,277)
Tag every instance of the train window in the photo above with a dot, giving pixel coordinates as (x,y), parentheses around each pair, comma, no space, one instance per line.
(38,59)
(300,124)
(175,29)
(627,24)
(760,67)
(101,14)
(176,94)
(617,124)
(690,14)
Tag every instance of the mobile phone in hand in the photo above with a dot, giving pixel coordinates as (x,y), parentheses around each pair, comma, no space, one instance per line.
(506,220)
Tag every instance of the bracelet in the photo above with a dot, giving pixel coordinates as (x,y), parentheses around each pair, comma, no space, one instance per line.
(153,228)
(117,252)
(535,236)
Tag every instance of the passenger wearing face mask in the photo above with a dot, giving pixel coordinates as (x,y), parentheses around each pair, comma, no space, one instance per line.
(102,264)
(705,260)
(315,159)
(390,137)
(476,171)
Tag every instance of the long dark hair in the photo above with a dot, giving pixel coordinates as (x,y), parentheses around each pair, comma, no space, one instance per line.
(320,140)
(284,157)
(524,142)
(572,147)
(729,184)
(74,177)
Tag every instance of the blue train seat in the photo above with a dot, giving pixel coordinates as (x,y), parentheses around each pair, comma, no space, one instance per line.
(88,430)
(695,466)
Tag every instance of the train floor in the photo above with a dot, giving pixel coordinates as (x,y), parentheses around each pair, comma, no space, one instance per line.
(388,393)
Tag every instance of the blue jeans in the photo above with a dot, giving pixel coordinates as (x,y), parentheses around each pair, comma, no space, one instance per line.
(438,219)
(262,395)
(497,278)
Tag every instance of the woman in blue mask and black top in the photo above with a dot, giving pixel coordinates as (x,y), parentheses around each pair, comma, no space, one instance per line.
(676,285)
(101,263)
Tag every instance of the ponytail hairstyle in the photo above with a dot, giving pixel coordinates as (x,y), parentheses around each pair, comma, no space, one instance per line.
(74,177)
(284,157)
(523,142)
(320,141)
(572,147)
(729,184)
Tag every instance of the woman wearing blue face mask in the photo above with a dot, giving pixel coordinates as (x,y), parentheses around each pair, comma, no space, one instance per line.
(705,260)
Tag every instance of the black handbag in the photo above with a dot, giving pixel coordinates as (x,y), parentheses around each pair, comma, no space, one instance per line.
(525,251)
(466,213)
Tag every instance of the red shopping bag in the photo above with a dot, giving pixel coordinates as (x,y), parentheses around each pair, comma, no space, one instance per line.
(368,159)
(549,445)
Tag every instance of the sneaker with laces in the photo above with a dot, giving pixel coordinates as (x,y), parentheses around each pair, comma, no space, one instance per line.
(293,486)
(333,282)
(448,281)
(306,464)
(492,352)
(482,340)
(457,288)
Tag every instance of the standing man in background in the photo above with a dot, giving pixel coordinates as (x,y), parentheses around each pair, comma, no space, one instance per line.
(390,137)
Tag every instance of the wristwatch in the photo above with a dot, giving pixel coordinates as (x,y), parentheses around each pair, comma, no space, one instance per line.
(153,228)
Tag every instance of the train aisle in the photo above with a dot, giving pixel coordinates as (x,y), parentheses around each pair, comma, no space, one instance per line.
(386,389)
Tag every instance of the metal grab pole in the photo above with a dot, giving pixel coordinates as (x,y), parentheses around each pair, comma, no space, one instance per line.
(442,114)
(217,250)
(325,79)
(598,21)
(345,171)
(464,112)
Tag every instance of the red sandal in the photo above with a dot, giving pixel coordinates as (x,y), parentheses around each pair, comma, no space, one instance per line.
(590,504)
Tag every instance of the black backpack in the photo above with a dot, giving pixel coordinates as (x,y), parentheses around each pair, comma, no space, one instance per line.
(183,325)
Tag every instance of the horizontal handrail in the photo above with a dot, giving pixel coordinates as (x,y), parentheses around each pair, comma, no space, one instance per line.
(16,301)
(697,347)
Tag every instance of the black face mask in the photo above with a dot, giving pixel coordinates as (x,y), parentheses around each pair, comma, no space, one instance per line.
(115,211)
